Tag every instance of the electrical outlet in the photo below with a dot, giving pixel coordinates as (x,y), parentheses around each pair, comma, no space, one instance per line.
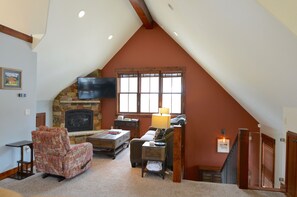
(282,139)
(27,149)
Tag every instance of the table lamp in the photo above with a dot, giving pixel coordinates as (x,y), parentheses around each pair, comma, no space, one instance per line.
(163,110)
(161,120)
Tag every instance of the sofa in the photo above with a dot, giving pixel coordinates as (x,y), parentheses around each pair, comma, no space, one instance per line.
(165,135)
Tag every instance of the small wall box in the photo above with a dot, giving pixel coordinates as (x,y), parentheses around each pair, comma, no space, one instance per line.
(22,95)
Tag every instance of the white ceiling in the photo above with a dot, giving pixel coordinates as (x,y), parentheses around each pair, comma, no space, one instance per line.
(28,16)
(249,52)
(239,43)
(284,11)
(75,46)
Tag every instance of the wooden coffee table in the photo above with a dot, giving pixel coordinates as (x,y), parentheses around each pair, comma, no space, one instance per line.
(110,142)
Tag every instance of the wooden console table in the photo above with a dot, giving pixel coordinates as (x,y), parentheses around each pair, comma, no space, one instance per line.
(23,173)
(132,125)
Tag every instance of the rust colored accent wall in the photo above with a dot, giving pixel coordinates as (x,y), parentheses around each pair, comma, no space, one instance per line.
(208,107)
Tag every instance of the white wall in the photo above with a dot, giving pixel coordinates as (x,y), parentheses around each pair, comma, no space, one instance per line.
(284,11)
(290,117)
(28,16)
(14,124)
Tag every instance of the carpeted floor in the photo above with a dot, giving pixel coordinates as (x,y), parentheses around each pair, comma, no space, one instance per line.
(109,177)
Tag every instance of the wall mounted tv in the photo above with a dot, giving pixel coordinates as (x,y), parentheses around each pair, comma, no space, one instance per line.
(94,88)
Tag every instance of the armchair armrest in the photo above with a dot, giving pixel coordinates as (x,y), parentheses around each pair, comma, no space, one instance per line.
(78,158)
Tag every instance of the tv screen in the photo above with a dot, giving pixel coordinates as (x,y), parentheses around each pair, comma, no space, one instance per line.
(92,87)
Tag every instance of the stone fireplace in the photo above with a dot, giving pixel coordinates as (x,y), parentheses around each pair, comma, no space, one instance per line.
(79,120)
(67,101)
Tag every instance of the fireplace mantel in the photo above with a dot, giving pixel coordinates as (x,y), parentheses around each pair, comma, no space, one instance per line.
(79,101)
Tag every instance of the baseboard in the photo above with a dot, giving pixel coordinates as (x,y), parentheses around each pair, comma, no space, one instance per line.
(10,172)
(283,190)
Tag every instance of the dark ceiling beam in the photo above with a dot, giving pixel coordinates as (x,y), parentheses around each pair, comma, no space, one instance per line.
(16,34)
(143,13)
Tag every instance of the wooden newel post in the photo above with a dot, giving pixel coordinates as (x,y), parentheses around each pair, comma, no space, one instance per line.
(243,159)
(177,154)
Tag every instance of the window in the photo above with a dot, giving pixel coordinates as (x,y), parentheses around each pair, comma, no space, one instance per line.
(149,93)
(128,93)
(146,92)
(172,92)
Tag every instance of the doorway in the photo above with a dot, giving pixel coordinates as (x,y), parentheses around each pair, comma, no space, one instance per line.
(291,164)
(40,119)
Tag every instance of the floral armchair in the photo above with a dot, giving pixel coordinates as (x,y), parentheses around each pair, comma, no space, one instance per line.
(55,156)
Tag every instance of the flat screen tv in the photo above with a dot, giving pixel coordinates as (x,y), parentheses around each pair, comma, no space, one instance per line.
(94,88)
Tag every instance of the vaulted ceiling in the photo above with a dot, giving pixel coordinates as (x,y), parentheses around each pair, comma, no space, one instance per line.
(246,46)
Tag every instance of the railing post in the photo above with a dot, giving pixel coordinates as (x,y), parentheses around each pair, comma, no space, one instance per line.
(243,159)
(177,154)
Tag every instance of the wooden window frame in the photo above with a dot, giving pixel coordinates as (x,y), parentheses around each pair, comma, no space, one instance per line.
(140,71)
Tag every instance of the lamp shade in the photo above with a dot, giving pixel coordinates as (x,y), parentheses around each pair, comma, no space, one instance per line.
(163,110)
(161,121)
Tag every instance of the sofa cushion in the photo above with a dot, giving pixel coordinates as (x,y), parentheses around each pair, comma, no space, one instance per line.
(147,137)
(150,132)
(159,134)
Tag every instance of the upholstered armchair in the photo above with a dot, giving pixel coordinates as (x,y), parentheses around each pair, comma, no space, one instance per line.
(55,156)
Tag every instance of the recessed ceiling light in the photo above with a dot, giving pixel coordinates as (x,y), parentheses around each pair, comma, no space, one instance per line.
(175,33)
(81,14)
(110,37)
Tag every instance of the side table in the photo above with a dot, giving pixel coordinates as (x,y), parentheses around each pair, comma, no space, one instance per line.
(153,153)
(21,173)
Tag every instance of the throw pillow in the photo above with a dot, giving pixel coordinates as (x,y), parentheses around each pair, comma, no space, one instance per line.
(159,134)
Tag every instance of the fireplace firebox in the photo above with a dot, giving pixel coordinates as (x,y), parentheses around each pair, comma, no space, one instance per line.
(79,120)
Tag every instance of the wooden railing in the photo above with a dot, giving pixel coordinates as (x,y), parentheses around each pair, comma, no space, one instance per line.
(235,167)
(178,153)
(243,159)
(229,168)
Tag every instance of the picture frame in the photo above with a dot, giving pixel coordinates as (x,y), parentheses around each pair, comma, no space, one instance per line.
(223,145)
(10,78)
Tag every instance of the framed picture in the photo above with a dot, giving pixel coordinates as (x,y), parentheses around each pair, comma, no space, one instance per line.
(223,145)
(10,78)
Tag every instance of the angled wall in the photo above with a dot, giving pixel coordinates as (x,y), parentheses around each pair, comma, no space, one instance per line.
(209,108)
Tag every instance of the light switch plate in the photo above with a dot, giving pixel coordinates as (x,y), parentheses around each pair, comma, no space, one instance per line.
(27,112)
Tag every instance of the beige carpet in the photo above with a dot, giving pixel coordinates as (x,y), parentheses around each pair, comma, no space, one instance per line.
(109,177)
